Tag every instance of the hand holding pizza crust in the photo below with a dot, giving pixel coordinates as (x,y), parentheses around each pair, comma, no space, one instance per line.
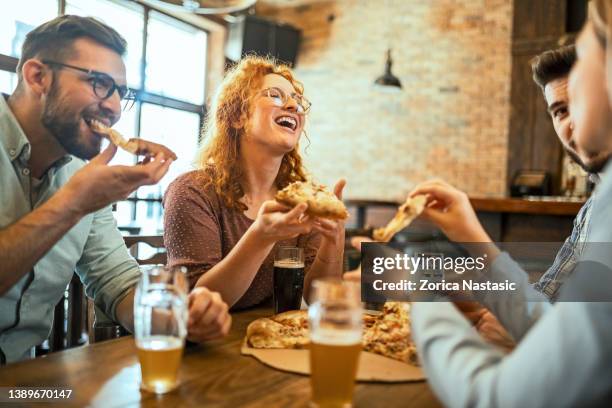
(98,184)
(450,209)
(406,213)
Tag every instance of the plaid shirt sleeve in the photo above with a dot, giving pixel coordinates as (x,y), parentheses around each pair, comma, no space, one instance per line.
(565,261)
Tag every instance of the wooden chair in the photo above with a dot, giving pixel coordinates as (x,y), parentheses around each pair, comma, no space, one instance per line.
(133,243)
(69,320)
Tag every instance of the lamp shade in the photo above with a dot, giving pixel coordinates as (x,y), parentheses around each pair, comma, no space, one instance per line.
(388,79)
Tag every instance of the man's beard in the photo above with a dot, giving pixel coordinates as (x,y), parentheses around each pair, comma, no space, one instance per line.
(595,166)
(64,125)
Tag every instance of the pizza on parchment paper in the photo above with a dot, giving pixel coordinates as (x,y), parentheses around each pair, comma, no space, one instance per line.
(386,334)
(284,330)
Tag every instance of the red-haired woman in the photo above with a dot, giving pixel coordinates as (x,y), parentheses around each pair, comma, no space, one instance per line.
(221,220)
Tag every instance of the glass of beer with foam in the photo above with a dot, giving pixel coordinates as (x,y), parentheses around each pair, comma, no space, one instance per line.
(160,326)
(335,321)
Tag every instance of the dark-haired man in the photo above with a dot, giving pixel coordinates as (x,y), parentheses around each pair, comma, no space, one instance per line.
(55,212)
(551,73)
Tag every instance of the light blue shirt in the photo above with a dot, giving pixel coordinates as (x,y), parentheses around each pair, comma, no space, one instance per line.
(93,248)
(564,352)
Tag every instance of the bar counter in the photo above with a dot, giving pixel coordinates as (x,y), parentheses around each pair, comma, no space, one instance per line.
(542,219)
(539,206)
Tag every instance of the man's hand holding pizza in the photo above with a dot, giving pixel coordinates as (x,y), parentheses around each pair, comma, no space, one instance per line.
(450,209)
(98,184)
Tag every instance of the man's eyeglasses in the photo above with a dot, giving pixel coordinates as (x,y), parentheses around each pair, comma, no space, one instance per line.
(281,98)
(104,86)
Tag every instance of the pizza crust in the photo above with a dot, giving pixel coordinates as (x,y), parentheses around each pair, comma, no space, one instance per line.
(284,330)
(406,213)
(321,203)
(115,137)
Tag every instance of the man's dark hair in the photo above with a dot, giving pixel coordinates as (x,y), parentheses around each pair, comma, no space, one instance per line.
(553,64)
(53,40)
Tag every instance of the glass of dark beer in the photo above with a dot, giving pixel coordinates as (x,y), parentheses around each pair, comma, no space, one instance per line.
(288,278)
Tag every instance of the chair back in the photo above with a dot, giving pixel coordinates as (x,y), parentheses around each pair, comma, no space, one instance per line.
(147,249)
(70,322)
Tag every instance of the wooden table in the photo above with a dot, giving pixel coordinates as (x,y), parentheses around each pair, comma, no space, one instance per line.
(106,375)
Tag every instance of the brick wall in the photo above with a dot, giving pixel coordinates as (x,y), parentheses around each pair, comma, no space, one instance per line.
(449,121)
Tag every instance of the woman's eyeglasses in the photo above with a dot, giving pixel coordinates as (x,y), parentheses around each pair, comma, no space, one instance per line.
(281,98)
(104,86)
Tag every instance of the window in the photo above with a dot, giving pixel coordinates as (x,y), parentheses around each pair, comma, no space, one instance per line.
(20,18)
(171,71)
(125,17)
(8,81)
(168,79)
(16,22)
(178,130)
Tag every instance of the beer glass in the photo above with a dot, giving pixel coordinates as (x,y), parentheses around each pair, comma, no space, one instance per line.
(160,325)
(288,278)
(335,320)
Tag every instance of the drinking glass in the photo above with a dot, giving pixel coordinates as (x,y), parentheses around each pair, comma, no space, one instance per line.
(160,325)
(335,321)
(288,278)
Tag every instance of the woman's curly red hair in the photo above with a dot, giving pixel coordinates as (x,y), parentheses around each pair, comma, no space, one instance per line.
(226,122)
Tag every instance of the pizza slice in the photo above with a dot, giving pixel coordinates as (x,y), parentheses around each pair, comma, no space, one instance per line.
(406,213)
(388,334)
(288,330)
(115,137)
(321,202)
